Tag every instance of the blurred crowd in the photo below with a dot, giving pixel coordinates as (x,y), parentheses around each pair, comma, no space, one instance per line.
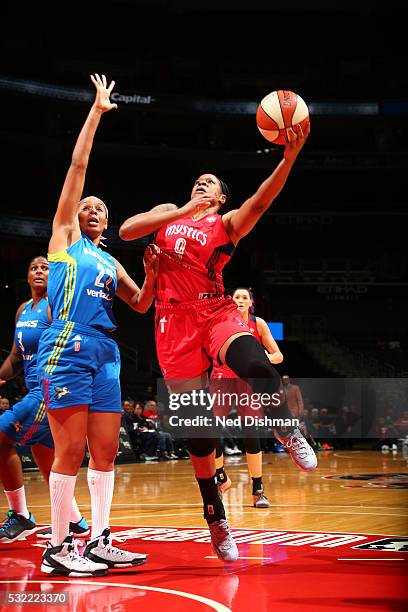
(147,436)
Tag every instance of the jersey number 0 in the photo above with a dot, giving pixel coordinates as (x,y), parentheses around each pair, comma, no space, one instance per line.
(180,246)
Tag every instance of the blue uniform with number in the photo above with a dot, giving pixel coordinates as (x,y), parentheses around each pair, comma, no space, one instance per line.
(78,363)
(26,422)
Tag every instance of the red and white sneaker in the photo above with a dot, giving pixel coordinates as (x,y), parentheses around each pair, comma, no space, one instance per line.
(302,454)
(222,541)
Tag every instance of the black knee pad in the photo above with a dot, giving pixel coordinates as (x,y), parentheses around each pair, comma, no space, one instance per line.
(252,445)
(246,357)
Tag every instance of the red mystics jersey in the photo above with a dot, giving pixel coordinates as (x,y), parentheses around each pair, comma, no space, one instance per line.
(193,254)
(252,326)
(223,371)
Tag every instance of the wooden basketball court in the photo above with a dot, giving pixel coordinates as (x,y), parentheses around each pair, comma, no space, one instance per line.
(335,539)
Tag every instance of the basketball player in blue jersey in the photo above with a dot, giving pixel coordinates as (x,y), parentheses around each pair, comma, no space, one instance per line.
(26,422)
(79,363)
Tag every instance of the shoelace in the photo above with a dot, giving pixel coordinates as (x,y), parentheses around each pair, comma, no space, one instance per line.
(260,495)
(73,553)
(222,531)
(107,541)
(298,445)
(11,519)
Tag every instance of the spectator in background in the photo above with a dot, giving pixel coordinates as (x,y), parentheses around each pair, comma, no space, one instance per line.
(128,414)
(150,410)
(348,420)
(130,423)
(386,434)
(346,424)
(146,438)
(294,397)
(128,405)
(294,400)
(166,442)
(4,404)
(401,425)
(327,428)
(306,425)
(391,412)
(323,427)
(315,422)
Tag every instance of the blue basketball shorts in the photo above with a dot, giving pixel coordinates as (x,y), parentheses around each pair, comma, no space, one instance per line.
(26,422)
(79,365)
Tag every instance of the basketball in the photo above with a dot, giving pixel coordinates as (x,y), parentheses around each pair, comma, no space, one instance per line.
(278,112)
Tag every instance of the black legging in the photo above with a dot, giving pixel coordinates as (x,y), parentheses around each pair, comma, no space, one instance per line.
(247,359)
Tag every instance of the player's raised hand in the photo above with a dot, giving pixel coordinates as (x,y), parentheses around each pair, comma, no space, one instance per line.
(103,92)
(199,203)
(297,138)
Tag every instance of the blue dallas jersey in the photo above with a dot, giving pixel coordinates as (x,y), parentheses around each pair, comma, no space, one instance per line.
(29,327)
(82,284)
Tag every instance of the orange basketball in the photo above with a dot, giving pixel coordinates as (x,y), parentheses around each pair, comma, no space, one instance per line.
(278,112)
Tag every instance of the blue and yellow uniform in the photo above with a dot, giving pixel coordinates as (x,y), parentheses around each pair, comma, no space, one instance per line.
(26,422)
(78,363)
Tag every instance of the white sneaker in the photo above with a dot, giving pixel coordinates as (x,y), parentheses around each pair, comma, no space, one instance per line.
(65,560)
(228,451)
(222,541)
(302,454)
(260,500)
(101,550)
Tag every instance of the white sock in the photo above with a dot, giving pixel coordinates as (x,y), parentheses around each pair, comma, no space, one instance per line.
(62,489)
(75,512)
(17,501)
(101,488)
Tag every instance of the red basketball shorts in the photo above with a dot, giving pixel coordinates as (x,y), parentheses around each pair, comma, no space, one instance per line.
(190,335)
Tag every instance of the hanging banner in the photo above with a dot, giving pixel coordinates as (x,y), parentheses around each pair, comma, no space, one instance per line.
(187,104)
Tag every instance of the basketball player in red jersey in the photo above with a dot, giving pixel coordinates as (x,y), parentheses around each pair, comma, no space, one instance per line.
(196,323)
(259,328)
